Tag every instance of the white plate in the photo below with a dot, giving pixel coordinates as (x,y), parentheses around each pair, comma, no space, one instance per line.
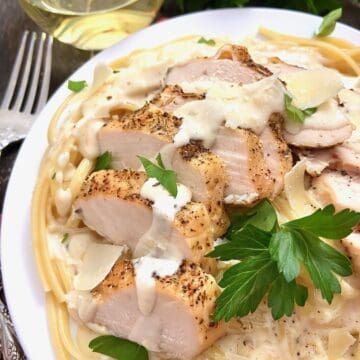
(24,294)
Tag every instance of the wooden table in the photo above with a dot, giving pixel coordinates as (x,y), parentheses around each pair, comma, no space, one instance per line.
(66,59)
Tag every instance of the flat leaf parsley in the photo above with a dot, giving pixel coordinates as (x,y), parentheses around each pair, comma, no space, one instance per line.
(271,256)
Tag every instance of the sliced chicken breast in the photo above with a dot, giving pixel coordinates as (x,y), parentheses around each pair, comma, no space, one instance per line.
(173,97)
(110,203)
(276,152)
(203,172)
(352,246)
(180,324)
(277,66)
(328,126)
(248,177)
(232,63)
(143,132)
(341,157)
(337,188)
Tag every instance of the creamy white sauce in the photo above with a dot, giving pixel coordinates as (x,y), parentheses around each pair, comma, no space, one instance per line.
(246,106)
(86,132)
(63,199)
(165,204)
(155,253)
(145,269)
(328,116)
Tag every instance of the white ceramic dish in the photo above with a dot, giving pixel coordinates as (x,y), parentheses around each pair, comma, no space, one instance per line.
(24,294)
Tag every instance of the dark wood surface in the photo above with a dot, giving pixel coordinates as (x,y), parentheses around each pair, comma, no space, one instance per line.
(66,59)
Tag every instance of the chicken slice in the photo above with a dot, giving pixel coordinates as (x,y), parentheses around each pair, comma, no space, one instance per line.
(341,157)
(110,203)
(352,246)
(276,152)
(173,97)
(203,172)
(248,177)
(337,188)
(180,324)
(328,126)
(232,63)
(143,132)
(277,66)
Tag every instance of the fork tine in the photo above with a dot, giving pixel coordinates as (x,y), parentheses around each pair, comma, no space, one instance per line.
(36,74)
(46,75)
(15,73)
(25,75)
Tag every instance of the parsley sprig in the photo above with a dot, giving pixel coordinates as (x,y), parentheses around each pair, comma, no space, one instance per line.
(271,256)
(295,114)
(103,162)
(118,348)
(167,178)
(328,24)
(77,86)
(210,42)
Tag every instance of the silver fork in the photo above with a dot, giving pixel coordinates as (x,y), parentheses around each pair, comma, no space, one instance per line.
(28,87)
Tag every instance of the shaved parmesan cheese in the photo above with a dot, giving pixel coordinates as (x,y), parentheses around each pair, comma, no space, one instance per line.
(351,100)
(295,190)
(339,342)
(97,263)
(310,88)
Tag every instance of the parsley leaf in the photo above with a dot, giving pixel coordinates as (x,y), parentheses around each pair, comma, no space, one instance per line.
(209,42)
(103,162)
(271,256)
(53,176)
(77,86)
(245,286)
(283,248)
(167,178)
(326,223)
(263,216)
(159,161)
(329,22)
(117,348)
(321,261)
(284,295)
(249,242)
(65,238)
(295,114)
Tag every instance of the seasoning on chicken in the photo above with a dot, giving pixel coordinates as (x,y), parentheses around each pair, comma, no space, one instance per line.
(276,152)
(232,63)
(172,97)
(144,132)
(180,324)
(110,203)
(203,172)
(248,177)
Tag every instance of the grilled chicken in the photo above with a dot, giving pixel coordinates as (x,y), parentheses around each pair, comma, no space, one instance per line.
(328,126)
(337,188)
(180,324)
(341,157)
(352,246)
(248,177)
(143,132)
(276,152)
(232,63)
(277,66)
(110,203)
(203,172)
(173,97)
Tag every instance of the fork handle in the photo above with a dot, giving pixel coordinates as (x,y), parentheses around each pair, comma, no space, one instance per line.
(9,346)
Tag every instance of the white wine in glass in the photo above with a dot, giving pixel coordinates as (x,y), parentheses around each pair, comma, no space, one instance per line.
(91,24)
